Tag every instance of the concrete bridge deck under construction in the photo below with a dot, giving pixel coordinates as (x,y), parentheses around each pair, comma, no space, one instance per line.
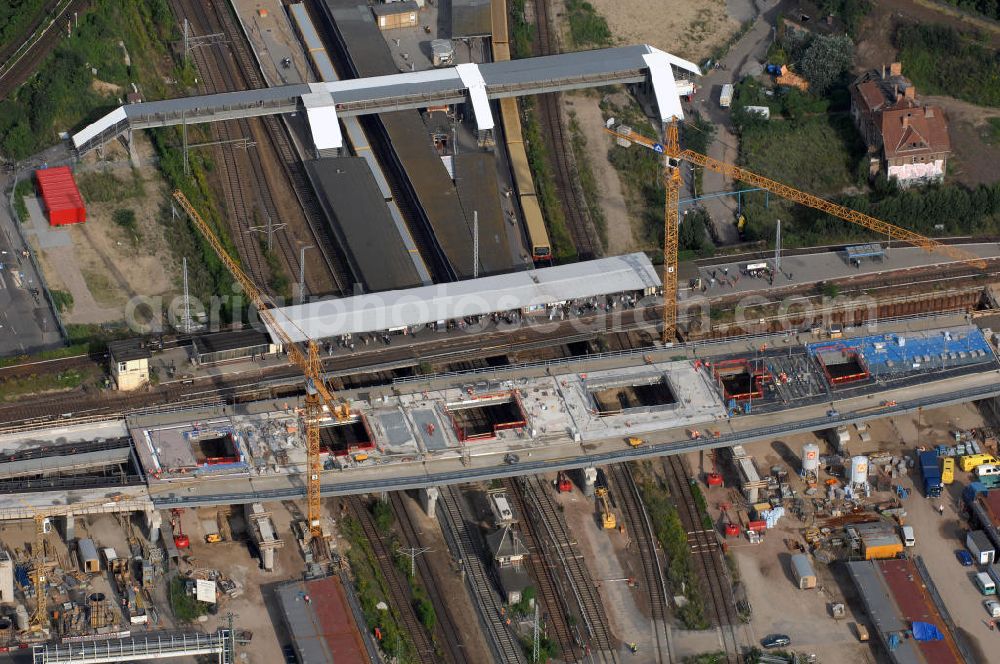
(455,429)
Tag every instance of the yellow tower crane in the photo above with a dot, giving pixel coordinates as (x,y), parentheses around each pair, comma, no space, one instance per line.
(673,155)
(307,360)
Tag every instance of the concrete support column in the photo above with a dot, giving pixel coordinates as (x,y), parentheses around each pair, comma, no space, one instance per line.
(267,559)
(70,528)
(153,523)
(429,497)
(589,480)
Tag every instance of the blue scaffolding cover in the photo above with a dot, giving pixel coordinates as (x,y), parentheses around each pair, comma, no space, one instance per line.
(858,251)
(926,632)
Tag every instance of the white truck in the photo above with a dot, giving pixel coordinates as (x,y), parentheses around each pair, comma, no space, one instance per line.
(726,96)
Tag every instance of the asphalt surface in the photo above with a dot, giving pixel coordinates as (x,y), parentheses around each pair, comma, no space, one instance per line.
(27,323)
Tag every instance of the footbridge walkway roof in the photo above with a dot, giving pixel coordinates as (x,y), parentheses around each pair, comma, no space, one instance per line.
(324,102)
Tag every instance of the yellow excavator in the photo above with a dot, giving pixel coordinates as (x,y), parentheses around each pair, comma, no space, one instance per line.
(608,518)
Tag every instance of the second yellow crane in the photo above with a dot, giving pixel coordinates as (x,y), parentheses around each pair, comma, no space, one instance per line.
(318,394)
(673,155)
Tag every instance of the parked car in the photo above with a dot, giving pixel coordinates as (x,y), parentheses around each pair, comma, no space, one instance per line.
(776,641)
(511,458)
(964,557)
(992,607)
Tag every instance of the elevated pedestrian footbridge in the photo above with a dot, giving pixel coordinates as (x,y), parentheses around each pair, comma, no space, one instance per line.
(323,103)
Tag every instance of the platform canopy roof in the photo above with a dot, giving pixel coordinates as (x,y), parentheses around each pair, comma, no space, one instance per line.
(531,289)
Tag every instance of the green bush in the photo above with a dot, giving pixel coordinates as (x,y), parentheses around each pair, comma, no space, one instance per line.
(125,219)
(62,299)
(21,189)
(16,17)
(384,518)
(586,26)
(988,8)
(185,607)
(940,60)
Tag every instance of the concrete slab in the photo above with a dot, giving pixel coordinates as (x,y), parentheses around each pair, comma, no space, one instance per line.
(48,237)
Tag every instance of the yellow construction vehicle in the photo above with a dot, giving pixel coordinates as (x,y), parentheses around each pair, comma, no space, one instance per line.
(213,538)
(608,518)
(634,442)
(673,155)
(318,395)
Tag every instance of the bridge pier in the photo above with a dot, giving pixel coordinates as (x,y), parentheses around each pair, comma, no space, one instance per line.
(70,527)
(153,522)
(428,498)
(589,480)
(129,144)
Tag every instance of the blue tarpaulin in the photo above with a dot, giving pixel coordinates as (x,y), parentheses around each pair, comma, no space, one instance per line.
(926,632)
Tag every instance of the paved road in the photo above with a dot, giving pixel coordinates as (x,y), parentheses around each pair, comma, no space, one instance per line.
(27,323)
(751,47)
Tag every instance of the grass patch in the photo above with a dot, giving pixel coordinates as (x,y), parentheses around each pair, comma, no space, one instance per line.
(277,280)
(941,60)
(671,534)
(819,154)
(587,180)
(991,133)
(52,354)
(105,292)
(706,658)
(62,299)
(522,33)
(100,187)
(586,26)
(61,96)
(16,17)
(185,607)
(563,249)
(14,388)
(21,189)
(372,589)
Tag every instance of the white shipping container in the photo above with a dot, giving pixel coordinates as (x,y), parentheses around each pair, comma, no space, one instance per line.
(726,96)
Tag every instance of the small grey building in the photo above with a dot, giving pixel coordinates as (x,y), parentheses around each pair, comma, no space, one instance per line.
(980,547)
(802,570)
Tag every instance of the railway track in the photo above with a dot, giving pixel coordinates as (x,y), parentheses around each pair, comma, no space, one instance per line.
(560,146)
(640,530)
(20,63)
(281,142)
(446,631)
(540,567)
(708,559)
(466,545)
(241,201)
(602,644)
(398,587)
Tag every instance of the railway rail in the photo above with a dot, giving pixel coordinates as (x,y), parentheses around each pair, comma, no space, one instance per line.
(398,587)
(540,566)
(560,146)
(281,142)
(717,589)
(20,63)
(446,631)
(640,530)
(602,642)
(466,545)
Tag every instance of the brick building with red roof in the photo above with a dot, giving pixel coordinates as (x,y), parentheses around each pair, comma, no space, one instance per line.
(906,140)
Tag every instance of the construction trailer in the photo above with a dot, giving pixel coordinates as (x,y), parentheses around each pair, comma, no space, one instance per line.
(802,570)
(63,202)
(981,548)
(89,559)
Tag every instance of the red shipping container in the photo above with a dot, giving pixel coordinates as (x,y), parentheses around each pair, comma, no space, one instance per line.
(62,199)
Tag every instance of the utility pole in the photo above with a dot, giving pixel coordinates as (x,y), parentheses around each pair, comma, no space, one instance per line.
(777,249)
(535,637)
(475,244)
(302,272)
(412,554)
(186,325)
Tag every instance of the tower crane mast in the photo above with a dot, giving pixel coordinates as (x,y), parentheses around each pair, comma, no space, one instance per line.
(307,360)
(673,155)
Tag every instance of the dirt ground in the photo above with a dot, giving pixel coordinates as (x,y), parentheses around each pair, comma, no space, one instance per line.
(104,266)
(973,159)
(610,193)
(690,28)
(804,614)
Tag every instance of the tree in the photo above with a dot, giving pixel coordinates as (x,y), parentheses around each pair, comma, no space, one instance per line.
(827,57)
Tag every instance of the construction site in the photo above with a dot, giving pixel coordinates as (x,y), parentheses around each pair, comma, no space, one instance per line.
(432,416)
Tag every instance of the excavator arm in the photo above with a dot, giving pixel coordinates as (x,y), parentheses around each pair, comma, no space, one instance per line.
(871,223)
